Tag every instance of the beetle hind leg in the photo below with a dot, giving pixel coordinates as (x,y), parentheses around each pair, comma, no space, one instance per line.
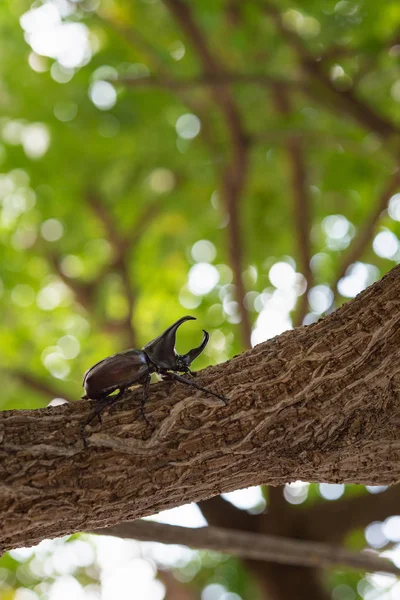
(107,401)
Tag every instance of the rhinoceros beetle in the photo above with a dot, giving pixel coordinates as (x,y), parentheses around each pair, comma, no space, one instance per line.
(122,370)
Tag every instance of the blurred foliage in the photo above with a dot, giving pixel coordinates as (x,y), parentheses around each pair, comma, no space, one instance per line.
(110,193)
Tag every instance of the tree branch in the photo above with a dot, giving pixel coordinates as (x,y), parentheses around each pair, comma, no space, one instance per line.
(235,175)
(119,245)
(222,513)
(365,234)
(301,202)
(332,521)
(252,545)
(83,292)
(345,101)
(318,403)
(220,79)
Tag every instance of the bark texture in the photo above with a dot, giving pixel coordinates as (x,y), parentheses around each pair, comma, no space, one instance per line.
(319,403)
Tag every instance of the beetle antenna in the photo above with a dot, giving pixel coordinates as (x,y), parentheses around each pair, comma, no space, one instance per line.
(197,386)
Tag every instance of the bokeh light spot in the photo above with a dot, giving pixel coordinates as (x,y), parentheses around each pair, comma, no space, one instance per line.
(65,111)
(203,251)
(245,499)
(104,72)
(52,230)
(37,63)
(343,592)
(72,266)
(296,492)
(50,296)
(394,207)
(320,298)
(12,132)
(282,275)
(336,226)
(35,139)
(48,35)
(395,91)
(61,74)
(162,181)
(385,244)
(374,535)
(69,346)
(55,363)
(213,591)
(358,276)
(103,95)
(391,528)
(331,491)
(177,50)
(57,402)
(187,298)
(203,277)
(188,126)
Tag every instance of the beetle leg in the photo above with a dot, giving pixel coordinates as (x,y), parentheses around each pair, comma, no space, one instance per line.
(144,398)
(97,412)
(191,373)
(197,386)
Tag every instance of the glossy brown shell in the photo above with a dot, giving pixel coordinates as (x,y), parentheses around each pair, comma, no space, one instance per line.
(115,372)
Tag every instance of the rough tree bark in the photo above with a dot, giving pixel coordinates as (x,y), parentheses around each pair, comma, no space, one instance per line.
(319,403)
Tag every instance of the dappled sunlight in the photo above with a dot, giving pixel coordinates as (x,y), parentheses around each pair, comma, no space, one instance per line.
(188,515)
(386,244)
(339,232)
(358,276)
(250,499)
(394,207)
(49,36)
(238,164)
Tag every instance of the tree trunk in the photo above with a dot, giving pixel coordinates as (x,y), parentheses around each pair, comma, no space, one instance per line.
(319,403)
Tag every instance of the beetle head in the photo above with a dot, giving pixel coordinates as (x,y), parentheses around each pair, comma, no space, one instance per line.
(161,350)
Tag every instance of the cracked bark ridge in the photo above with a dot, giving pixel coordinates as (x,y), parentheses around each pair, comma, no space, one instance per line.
(319,403)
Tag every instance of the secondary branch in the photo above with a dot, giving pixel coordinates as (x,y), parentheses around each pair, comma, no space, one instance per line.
(252,545)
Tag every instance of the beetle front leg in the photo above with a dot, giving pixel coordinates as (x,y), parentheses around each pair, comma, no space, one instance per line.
(197,386)
(189,372)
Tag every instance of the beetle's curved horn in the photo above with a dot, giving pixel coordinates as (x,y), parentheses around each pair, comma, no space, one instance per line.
(161,350)
(192,354)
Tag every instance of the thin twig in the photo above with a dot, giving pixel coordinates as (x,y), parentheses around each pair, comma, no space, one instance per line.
(162,78)
(208,80)
(346,101)
(235,174)
(252,546)
(301,201)
(118,243)
(84,292)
